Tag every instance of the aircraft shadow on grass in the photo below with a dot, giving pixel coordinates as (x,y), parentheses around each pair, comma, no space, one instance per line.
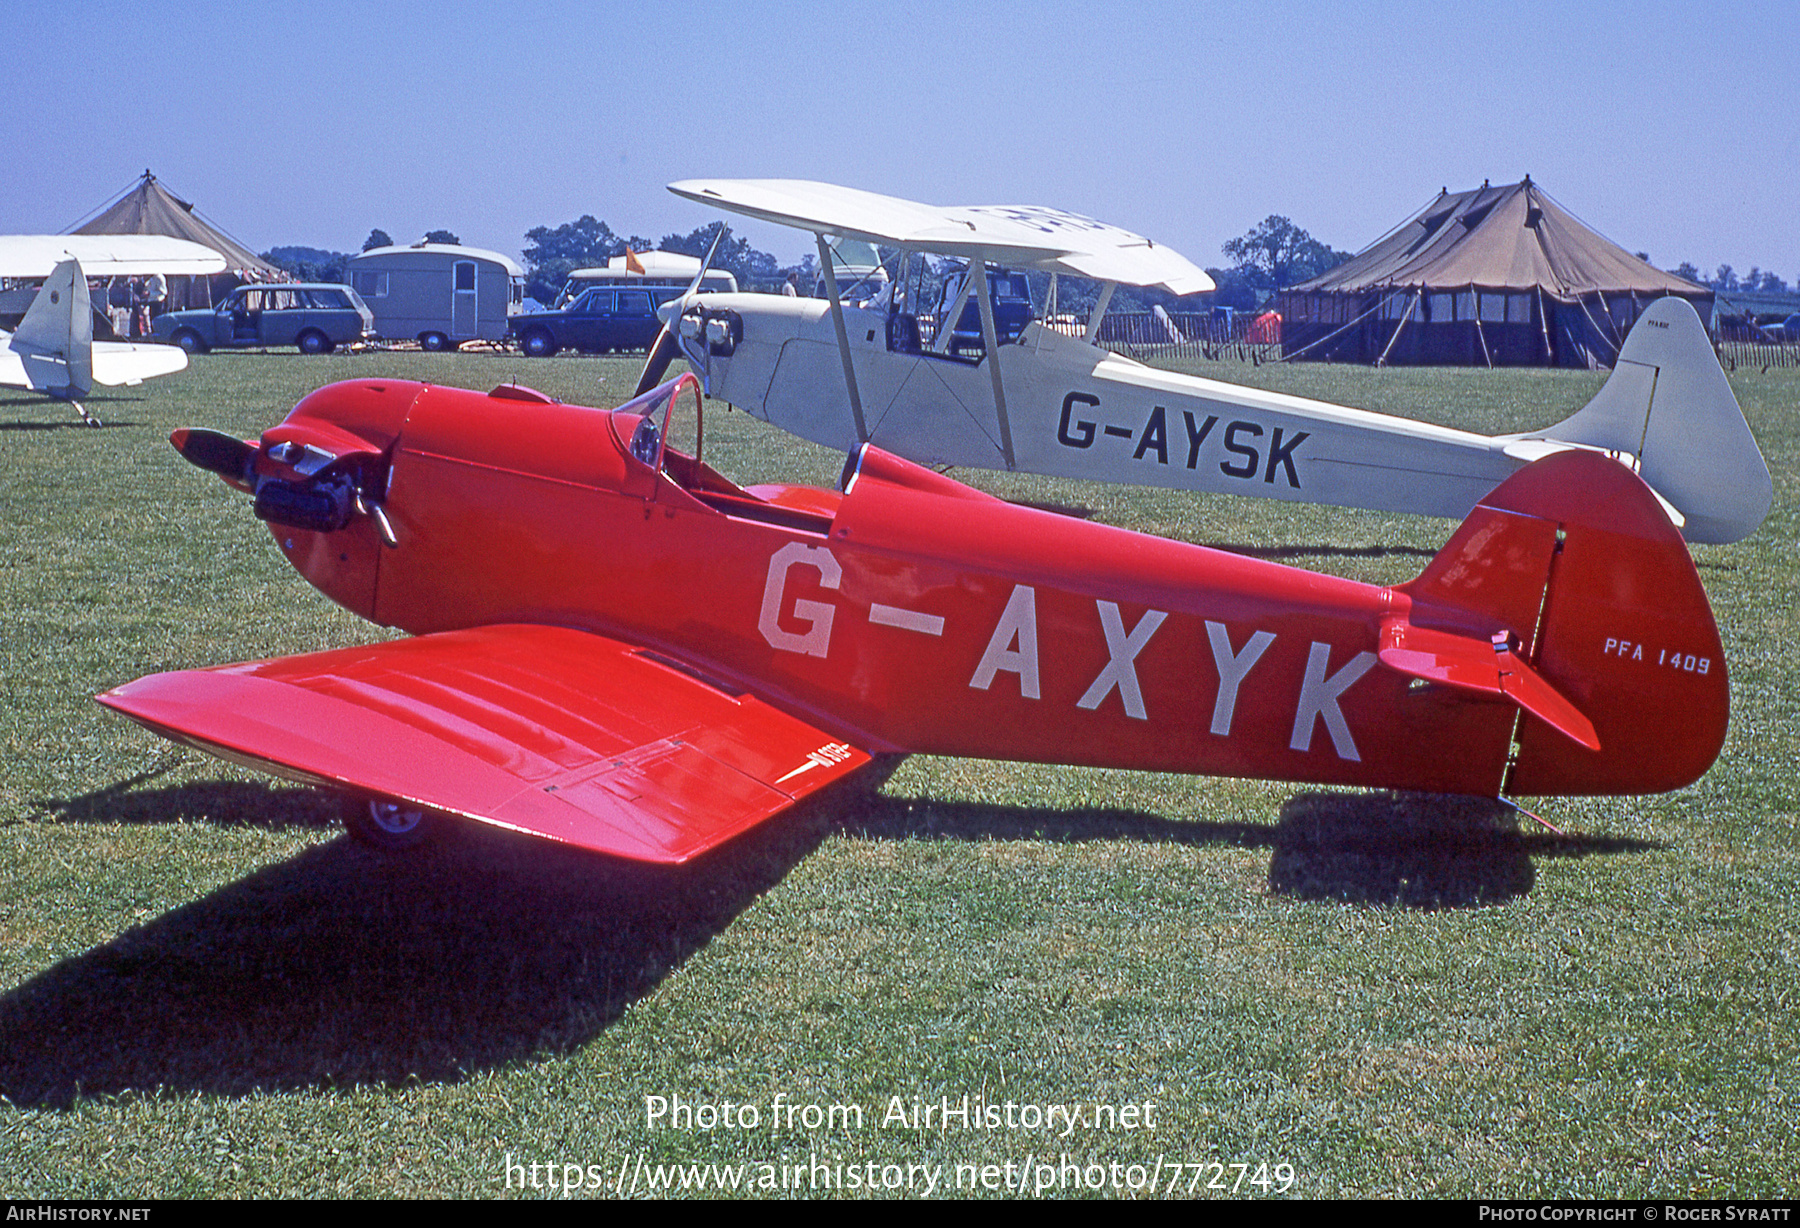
(1415,850)
(270,805)
(341,966)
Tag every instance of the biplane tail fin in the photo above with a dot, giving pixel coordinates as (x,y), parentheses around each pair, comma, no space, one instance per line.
(56,337)
(1667,404)
(1568,591)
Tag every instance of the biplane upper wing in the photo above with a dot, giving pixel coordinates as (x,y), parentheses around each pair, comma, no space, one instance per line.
(1017,236)
(32,256)
(561,733)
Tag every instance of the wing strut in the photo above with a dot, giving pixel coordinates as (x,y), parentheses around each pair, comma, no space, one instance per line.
(946,327)
(990,337)
(1093,328)
(843,338)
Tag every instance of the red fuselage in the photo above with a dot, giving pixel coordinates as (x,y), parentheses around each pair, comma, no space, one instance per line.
(915,614)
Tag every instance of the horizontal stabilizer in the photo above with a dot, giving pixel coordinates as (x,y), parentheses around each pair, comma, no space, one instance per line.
(1487,668)
(560,733)
(126,362)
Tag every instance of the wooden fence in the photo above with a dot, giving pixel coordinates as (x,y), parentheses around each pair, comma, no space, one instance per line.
(1141,334)
(1758,355)
(1181,334)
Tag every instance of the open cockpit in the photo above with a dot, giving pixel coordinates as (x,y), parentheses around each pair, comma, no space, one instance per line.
(678,473)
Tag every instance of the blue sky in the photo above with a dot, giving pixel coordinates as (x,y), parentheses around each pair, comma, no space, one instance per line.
(1666,128)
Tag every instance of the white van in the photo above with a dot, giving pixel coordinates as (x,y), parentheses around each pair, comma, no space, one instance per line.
(661,269)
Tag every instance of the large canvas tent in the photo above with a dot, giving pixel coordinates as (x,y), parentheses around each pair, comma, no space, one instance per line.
(149,208)
(1497,276)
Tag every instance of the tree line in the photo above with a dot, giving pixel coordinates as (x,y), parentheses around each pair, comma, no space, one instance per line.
(1726,279)
(1273,254)
(1270,256)
(552,252)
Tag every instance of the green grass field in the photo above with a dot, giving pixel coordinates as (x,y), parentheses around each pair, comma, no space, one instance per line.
(207,990)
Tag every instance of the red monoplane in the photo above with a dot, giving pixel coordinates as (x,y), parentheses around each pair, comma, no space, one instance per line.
(617,647)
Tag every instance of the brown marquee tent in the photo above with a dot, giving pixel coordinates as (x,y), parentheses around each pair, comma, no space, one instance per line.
(1499,276)
(151,209)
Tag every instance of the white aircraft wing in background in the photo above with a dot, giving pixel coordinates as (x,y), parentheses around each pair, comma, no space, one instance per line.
(31,257)
(1017,236)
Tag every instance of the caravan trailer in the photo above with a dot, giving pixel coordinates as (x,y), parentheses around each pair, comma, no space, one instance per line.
(439,293)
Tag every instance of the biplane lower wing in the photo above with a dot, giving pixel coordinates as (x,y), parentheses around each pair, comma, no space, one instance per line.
(547,730)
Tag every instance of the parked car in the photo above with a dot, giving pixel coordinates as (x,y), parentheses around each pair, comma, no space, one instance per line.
(598,320)
(316,317)
(1010,294)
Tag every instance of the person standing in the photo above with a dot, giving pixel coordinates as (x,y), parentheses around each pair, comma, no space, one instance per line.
(156,293)
(140,309)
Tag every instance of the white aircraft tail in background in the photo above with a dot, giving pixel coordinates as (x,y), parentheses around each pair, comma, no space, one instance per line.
(1668,405)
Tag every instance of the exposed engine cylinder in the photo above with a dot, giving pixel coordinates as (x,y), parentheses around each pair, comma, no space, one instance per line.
(317,506)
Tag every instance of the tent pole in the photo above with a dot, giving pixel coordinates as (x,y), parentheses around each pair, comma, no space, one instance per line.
(1417,299)
(1544,327)
(1481,334)
(1611,333)
(1600,333)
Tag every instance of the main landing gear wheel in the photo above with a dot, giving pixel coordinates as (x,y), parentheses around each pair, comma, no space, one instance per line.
(386,825)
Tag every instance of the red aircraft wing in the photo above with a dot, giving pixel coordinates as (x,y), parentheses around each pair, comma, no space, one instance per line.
(547,730)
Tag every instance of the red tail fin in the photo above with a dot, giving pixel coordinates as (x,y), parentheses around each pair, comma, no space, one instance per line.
(1575,564)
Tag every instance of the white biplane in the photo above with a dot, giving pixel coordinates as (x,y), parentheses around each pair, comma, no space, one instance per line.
(53,350)
(1042,400)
